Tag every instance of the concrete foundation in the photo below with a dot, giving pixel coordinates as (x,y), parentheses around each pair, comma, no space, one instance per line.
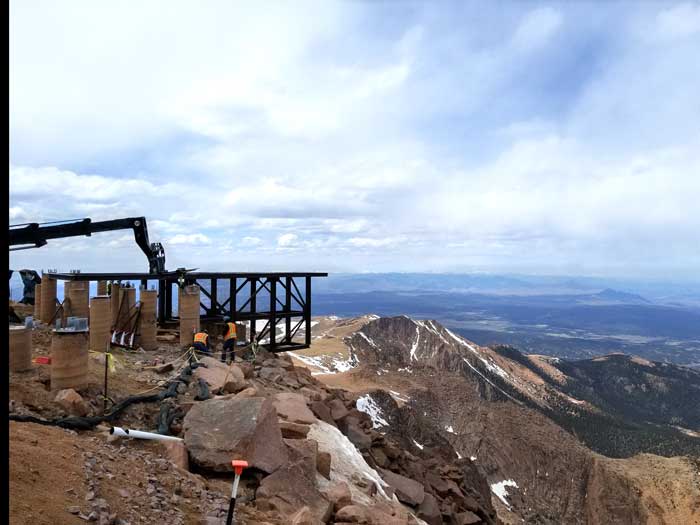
(69,360)
(20,349)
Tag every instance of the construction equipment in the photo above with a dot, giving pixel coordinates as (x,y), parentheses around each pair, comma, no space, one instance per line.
(35,235)
(238,466)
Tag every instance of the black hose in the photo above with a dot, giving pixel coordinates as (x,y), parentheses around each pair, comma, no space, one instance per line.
(88,423)
(203,393)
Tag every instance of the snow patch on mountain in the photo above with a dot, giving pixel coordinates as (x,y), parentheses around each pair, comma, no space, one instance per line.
(499,489)
(370,407)
(415,344)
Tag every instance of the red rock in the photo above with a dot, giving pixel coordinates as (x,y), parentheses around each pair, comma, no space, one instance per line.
(289,488)
(467,518)
(293,430)
(357,436)
(219,429)
(429,511)
(323,464)
(352,514)
(322,412)
(303,516)
(219,375)
(177,454)
(338,410)
(292,407)
(407,490)
(339,495)
(72,402)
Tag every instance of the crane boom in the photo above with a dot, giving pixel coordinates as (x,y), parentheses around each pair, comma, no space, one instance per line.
(35,235)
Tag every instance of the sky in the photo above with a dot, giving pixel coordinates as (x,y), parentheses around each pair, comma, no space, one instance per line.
(530,137)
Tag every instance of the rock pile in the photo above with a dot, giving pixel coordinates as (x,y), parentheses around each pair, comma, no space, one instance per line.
(316,458)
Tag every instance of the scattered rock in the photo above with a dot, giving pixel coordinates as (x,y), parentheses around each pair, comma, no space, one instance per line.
(339,495)
(358,436)
(322,412)
(323,464)
(352,514)
(162,369)
(220,376)
(429,511)
(467,518)
(293,430)
(338,410)
(407,490)
(177,454)
(74,509)
(292,407)
(303,517)
(72,402)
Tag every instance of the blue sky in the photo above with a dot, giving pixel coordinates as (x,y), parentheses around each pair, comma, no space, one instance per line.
(532,137)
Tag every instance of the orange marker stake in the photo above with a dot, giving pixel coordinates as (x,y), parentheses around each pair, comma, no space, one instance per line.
(238,466)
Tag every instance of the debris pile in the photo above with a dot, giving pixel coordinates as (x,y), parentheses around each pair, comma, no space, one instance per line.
(313,456)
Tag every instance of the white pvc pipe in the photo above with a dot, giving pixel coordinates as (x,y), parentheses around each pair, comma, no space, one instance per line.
(125,432)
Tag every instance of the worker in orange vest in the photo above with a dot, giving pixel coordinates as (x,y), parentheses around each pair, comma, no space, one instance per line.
(201,342)
(227,353)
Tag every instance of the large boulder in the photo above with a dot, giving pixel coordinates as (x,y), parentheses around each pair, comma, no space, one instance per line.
(293,485)
(407,490)
(429,510)
(220,376)
(292,407)
(219,430)
(358,436)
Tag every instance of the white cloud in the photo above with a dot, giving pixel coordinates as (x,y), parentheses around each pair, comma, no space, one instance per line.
(344,143)
(193,239)
(17,213)
(251,241)
(287,240)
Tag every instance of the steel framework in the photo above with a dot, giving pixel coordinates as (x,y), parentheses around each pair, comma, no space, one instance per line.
(262,299)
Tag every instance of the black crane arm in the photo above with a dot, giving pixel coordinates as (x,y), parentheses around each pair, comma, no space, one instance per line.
(34,235)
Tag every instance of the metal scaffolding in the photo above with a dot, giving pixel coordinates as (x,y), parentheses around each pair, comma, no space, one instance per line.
(262,299)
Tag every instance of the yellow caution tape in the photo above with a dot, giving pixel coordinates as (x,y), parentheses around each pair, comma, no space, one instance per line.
(112,361)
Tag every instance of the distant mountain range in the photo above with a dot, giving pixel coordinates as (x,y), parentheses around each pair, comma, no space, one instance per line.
(544,428)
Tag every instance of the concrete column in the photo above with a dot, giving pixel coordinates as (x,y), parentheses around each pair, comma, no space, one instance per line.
(115,298)
(147,320)
(100,323)
(37,302)
(189,314)
(48,298)
(79,295)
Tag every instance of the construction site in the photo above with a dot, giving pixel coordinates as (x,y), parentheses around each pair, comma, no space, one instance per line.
(117,416)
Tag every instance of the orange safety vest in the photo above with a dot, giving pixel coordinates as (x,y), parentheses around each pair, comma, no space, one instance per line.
(201,337)
(231,332)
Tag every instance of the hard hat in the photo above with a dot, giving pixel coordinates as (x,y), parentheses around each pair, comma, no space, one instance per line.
(226,318)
